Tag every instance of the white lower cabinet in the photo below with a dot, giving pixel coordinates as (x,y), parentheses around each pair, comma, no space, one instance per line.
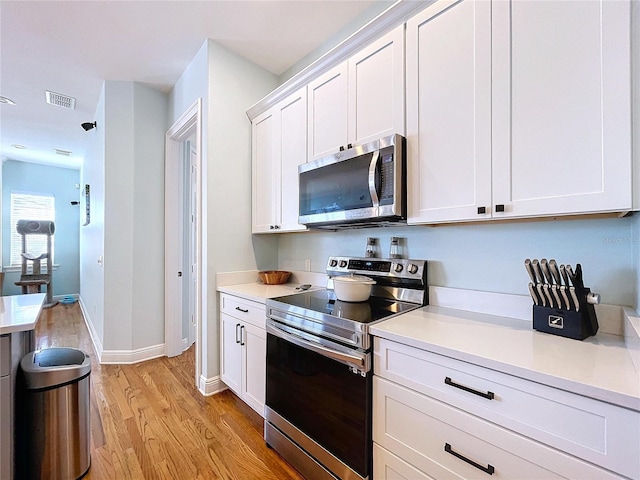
(243,349)
(437,417)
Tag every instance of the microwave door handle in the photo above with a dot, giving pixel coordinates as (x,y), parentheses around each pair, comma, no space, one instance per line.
(373,167)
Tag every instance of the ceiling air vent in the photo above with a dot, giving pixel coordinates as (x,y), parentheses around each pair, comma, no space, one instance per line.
(60,100)
(65,153)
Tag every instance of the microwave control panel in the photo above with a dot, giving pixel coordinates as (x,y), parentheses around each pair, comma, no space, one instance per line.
(387,179)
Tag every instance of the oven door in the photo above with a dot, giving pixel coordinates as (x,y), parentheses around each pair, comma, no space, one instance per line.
(314,388)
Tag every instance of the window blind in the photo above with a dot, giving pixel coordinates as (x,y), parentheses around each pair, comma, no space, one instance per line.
(30,206)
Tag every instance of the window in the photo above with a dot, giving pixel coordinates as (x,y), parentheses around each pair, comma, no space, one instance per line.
(30,206)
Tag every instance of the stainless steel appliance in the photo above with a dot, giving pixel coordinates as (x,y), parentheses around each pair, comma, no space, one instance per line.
(319,367)
(358,187)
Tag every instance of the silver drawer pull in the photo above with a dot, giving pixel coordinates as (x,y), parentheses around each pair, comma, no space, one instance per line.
(242,310)
(488,469)
(488,395)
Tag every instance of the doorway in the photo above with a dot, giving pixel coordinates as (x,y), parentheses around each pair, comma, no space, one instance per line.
(183,236)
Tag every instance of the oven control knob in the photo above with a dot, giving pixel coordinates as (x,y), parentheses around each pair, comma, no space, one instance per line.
(398,268)
(343,263)
(413,268)
(333,263)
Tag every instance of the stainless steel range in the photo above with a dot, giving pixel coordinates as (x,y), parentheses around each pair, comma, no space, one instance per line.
(319,369)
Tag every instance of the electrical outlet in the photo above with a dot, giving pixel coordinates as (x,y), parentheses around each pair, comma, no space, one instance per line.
(307,265)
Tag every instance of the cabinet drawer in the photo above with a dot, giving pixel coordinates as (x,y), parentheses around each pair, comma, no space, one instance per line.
(387,466)
(5,355)
(417,428)
(243,309)
(598,432)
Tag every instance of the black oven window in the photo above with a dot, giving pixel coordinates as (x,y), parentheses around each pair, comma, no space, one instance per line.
(323,398)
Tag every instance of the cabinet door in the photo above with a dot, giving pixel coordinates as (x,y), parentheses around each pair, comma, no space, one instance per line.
(327,101)
(265,173)
(255,354)
(293,152)
(6,430)
(561,107)
(231,354)
(449,112)
(376,89)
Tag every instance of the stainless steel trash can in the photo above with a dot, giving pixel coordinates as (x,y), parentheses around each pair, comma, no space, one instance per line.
(56,424)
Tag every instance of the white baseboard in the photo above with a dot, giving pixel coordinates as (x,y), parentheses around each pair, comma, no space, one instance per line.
(211,386)
(95,339)
(118,356)
(132,356)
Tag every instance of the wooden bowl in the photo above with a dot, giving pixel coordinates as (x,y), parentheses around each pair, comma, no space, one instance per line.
(274,277)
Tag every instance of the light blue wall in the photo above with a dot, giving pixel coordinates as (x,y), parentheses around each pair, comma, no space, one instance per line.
(228,85)
(61,183)
(123,296)
(490,256)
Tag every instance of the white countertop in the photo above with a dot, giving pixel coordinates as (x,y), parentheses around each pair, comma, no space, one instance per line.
(19,313)
(599,367)
(259,292)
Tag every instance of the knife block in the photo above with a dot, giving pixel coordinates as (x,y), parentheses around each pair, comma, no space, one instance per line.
(567,323)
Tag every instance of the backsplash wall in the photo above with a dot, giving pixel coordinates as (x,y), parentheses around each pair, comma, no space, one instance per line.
(490,256)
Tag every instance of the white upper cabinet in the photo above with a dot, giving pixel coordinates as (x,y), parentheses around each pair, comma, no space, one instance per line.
(518,109)
(449,111)
(265,172)
(327,121)
(376,90)
(561,107)
(359,100)
(279,145)
(293,152)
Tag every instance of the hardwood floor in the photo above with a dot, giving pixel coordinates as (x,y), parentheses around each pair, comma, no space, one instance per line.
(148,421)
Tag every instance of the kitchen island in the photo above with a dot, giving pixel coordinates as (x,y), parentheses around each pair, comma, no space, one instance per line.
(497,395)
(18,318)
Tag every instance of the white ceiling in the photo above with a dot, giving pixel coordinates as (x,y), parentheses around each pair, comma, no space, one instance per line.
(71,47)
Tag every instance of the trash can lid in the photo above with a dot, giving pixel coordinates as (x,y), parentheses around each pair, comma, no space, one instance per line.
(54,366)
(54,357)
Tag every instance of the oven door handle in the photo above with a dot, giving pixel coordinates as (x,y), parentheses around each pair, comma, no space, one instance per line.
(355,360)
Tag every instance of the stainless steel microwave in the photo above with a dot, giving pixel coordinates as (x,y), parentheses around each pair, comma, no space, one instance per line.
(358,187)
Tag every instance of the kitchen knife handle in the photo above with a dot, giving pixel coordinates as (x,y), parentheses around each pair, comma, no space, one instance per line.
(487,395)
(545,270)
(563,292)
(536,268)
(574,297)
(541,295)
(593,298)
(553,266)
(565,275)
(554,290)
(572,276)
(534,295)
(529,268)
(545,289)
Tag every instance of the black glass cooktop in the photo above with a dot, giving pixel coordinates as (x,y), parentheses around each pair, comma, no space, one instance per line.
(324,302)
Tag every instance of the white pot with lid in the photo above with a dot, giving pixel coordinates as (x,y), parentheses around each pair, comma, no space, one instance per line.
(353,288)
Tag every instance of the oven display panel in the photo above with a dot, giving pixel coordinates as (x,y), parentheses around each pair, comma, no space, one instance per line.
(370,265)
